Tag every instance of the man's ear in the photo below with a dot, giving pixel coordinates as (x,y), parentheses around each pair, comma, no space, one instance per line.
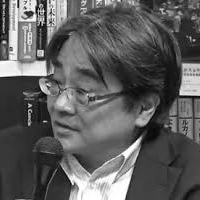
(147,109)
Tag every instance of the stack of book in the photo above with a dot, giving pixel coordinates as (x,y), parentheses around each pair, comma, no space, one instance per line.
(27,25)
(184,117)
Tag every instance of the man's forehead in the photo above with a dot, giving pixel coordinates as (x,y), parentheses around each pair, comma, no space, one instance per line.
(74,58)
(72,48)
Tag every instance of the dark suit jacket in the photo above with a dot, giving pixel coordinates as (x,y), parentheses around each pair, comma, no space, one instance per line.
(167,168)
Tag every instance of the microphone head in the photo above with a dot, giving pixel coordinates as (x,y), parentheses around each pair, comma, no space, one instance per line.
(48,150)
(48,144)
(47,154)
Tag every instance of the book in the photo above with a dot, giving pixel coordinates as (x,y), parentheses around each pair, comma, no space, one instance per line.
(4,29)
(107,2)
(41,30)
(61,7)
(73,7)
(51,18)
(30,108)
(13,30)
(85,5)
(185,107)
(27,31)
(99,3)
(58,15)
(174,108)
(197,119)
(197,130)
(78,7)
(43,112)
(185,116)
(63,10)
(172,121)
(185,126)
(196,107)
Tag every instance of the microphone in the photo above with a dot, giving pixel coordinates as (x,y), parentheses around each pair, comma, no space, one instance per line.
(47,154)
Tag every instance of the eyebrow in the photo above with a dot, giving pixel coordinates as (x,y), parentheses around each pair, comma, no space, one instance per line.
(92,74)
(83,71)
(89,73)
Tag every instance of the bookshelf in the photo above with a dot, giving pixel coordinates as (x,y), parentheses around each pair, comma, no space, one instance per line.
(10,68)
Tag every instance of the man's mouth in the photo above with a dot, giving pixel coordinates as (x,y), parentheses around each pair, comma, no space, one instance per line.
(65,126)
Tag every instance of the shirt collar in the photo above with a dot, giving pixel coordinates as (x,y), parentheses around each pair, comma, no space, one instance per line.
(118,165)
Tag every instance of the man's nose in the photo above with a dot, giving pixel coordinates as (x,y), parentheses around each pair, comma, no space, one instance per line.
(64,104)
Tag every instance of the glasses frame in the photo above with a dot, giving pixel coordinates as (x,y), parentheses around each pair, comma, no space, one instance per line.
(91,98)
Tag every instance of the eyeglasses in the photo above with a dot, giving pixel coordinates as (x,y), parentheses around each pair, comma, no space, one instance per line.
(78,95)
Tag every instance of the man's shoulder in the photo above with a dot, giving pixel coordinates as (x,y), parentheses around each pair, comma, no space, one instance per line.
(187,150)
(175,148)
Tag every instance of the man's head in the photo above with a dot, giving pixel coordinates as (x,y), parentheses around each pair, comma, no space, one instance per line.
(127,49)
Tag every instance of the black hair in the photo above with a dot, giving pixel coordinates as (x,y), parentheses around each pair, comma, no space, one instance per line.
(130,42)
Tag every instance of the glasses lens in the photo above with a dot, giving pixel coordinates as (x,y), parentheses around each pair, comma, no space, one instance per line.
(80,96)
(49,87)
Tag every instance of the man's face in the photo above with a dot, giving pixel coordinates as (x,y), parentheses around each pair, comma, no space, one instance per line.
(103,126)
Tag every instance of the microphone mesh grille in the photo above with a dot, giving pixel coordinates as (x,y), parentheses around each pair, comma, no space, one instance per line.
(49,144)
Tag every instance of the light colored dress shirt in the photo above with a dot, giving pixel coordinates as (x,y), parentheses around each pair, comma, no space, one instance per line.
(108,182)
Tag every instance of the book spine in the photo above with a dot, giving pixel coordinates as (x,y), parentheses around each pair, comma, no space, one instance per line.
(186,127)
(78,7)
(73,8)
(196,107)
(4,32)
(185,116)
(41,29)
(58,15)
(172,122)
(197,119)
(30,108)
(99,3)
(27,31)
(63,10)
(85,6)
(197,130)
(43,112)
(13,30)
(174,108)
(107,2)
(51,18)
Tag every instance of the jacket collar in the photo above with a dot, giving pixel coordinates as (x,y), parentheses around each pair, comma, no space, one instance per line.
(154,176)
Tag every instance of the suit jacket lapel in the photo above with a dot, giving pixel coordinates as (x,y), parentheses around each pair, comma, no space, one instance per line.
(60,186)
(153,177)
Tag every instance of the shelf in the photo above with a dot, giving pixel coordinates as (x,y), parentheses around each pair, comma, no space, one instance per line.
(16,68)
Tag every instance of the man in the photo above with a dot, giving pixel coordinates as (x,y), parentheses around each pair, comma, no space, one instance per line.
(117,71)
